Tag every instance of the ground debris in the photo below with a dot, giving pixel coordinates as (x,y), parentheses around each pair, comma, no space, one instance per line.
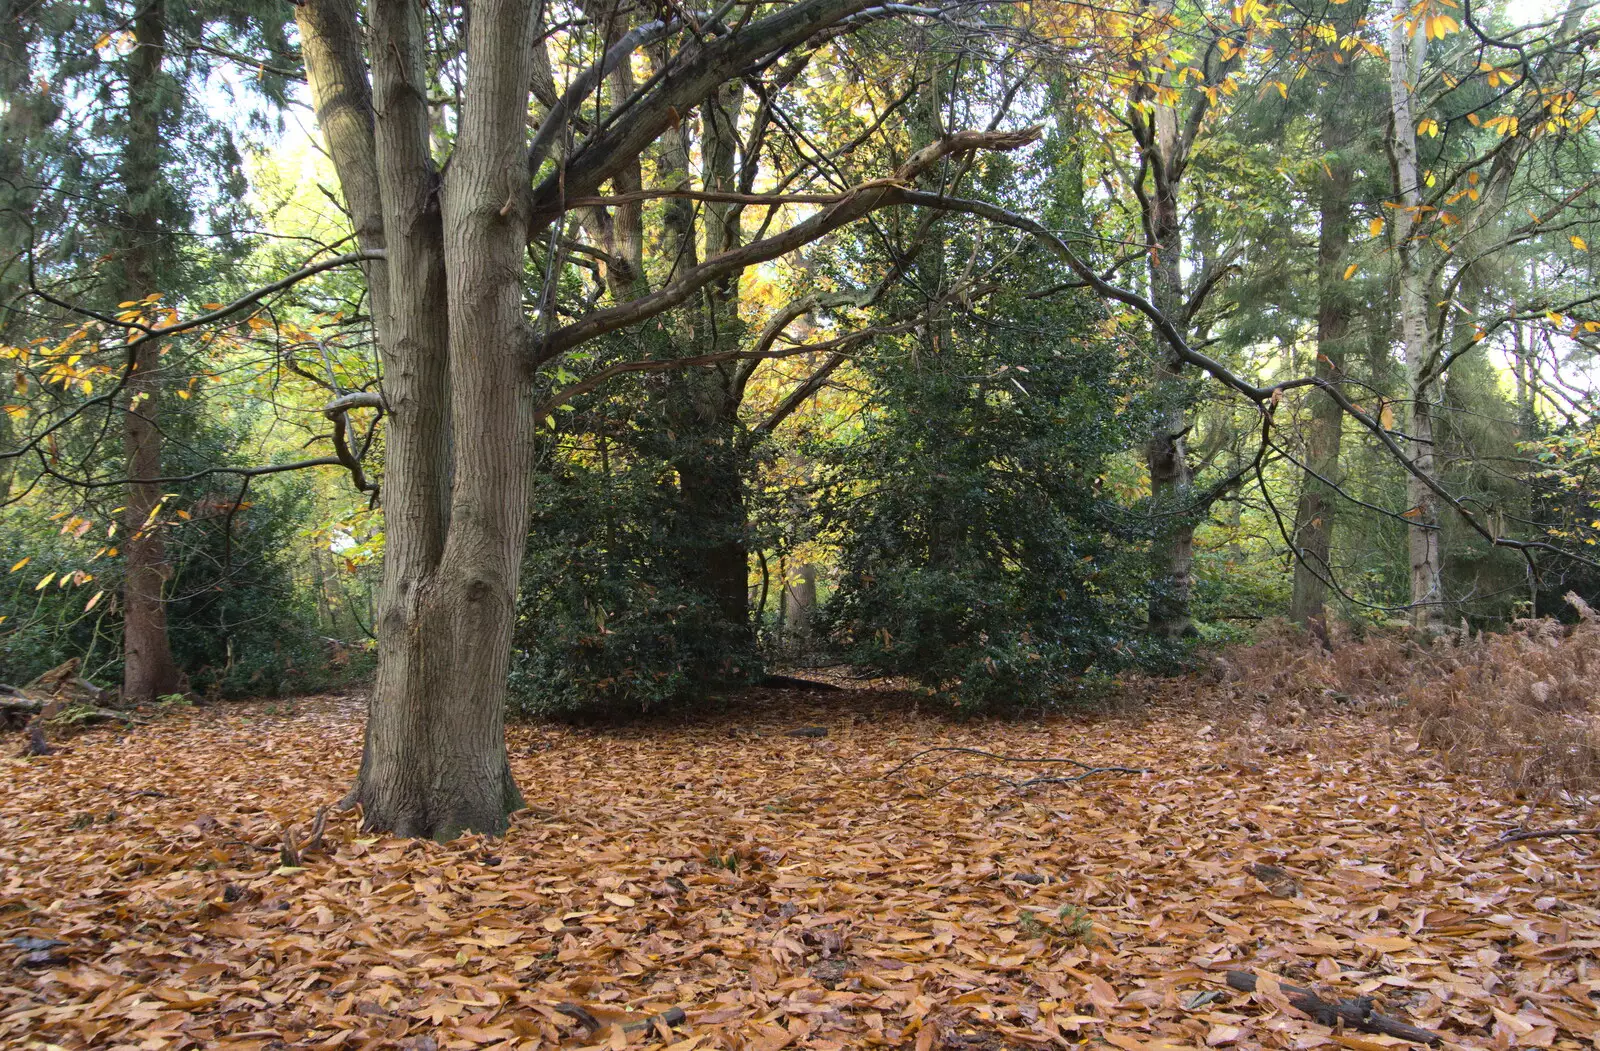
(788,897)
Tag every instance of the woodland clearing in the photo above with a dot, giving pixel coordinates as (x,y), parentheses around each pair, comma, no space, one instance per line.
(788,891)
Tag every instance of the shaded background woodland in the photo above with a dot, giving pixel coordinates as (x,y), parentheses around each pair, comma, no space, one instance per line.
(919,445)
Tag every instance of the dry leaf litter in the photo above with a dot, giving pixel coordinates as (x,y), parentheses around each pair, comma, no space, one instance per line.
(787,891)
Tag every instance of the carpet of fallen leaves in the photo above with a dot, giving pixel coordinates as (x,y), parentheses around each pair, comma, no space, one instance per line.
(785,891)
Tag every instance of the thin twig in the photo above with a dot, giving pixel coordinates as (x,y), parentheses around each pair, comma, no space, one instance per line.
(1547,833)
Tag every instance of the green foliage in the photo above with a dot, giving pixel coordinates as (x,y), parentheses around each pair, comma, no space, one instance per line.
(610,622)
(239,618)
(978,554)
(1073,926)
(40,627)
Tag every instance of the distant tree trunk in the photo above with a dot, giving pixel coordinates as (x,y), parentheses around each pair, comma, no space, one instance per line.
(1522,367)
(1314,515)
(16,124)
(711,496)
(1427,580)
(800,600)
(1166,451)
(703,403)
(1165,138)
(148,668)
(8,465)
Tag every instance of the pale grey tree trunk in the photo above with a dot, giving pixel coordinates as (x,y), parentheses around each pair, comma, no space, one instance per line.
(1427,582)
(800,601)
(1165,142)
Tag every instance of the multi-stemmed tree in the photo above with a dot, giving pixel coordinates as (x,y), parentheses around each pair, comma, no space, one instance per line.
(461,251)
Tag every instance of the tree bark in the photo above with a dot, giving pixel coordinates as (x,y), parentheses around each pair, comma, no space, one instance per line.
(702,404)
(799,601)
(1164,148)
(148,668)
(1427,582)
(467,609)
(711,495)
(434,760)
(1166,451)
(1314,514)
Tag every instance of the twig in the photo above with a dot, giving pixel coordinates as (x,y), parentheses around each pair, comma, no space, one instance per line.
(1547,833)
(315,842)
(672,1016)
(1428,832)
(1357,1013)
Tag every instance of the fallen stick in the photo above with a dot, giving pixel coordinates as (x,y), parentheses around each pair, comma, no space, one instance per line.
(1357,1013)
(672,1016)
(1547,833)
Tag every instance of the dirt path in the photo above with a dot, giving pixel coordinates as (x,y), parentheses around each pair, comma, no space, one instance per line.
(782,892)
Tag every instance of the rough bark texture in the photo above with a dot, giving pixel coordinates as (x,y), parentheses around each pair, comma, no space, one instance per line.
(1166,452)
(434,761)
(1427,582)
(710,466)
(18,121)
(1314,515)
(148,667)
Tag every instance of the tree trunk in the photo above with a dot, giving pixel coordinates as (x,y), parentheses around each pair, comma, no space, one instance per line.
(799,600)
(148,667)
(434,761)
(703,413)
(702,404)
(1427,583)
(1164,151)
(1314,515)
(1166,451)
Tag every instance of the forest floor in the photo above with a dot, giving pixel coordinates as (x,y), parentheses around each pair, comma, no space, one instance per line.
(788,891)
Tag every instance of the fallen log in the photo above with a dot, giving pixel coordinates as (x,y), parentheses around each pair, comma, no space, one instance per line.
(14,700)
(1356,1013)
(51,707)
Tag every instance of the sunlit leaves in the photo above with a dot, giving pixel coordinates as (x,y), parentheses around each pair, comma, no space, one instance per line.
(1441,26)
(1504,124)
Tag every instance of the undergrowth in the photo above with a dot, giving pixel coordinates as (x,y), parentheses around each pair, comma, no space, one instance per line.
(1520,706)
